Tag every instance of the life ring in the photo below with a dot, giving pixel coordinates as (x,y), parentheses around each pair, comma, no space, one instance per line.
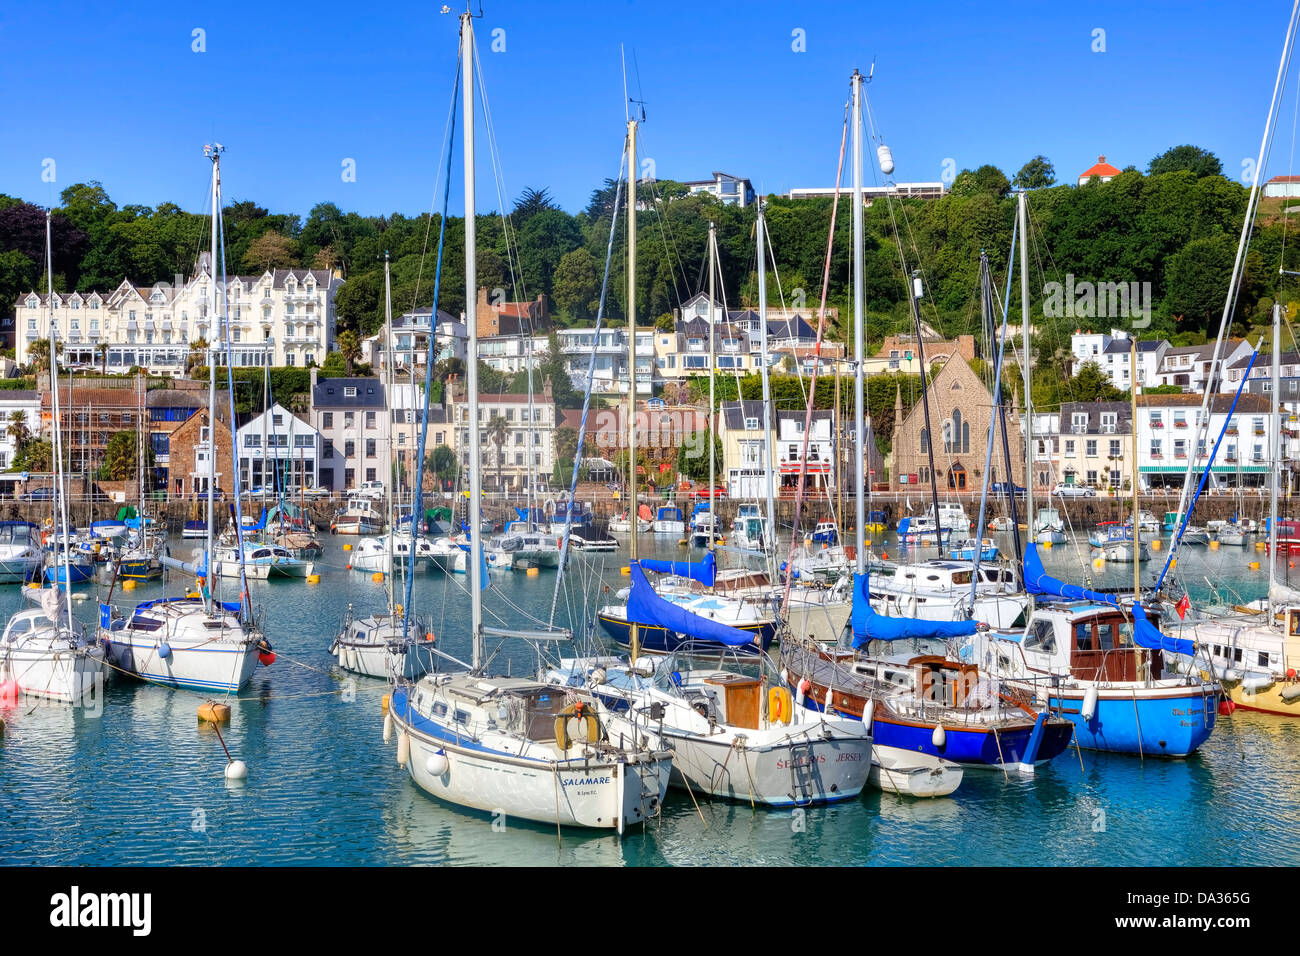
(580,712)
(779,707)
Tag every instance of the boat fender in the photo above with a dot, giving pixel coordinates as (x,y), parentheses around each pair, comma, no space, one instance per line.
(574,722)
(868,712)
(164,650)
(939,738)
(388,727)
(805,686)
(597,677)
(1253,685)
(403,749)
(1089,708)
(437,765)
(1291,694)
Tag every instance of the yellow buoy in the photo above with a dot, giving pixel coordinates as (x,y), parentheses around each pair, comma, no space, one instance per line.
(383,703)
(1173,563)
(625,570)
(1155,545)
(313,579)
(214,713)
(1098,562)
(347,547)
(128,585)
(1254,565)
(34,584)
(867,542)
(1261,545)
(532,572)
(681,542)
(377,576)
(1214,546)
(1047,545)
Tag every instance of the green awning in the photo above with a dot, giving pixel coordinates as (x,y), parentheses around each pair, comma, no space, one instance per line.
(1216,469)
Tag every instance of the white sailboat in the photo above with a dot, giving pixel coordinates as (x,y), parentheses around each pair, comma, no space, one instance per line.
(195,642)
(44,651)
(522,748)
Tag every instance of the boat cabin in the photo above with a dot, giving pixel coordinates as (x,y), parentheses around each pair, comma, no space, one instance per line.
(1095,642)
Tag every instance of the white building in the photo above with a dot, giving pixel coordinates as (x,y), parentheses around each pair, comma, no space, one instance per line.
(820,462)
(1192,368)
(748,454)
(727,189)
(411,340)
(527,454)
(1112,354)
(283,317)
(1168,426)
(20,402)
(512,353)
(1101,169)
(351,416)
(872,193)
(609,375)
(1282,186)
(278,450)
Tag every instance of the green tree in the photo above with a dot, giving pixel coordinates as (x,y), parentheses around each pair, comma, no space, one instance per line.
(987,180)
(1038,173)
(693,457)
(1195,160)
(1090,384)
(37,455)
(1196,277)
(349,347)
(576,285)
(441,463)
(120,457)
(497,431)
(18,431)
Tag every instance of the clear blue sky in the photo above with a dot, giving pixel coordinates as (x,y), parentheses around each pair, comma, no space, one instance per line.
(118,95)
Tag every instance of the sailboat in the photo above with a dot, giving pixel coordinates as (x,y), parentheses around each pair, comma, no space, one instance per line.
(139,559)
(523,748)
(44,651)
(194,642)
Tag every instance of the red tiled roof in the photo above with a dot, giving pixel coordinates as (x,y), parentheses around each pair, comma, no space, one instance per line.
(1284,179)
(1102,168)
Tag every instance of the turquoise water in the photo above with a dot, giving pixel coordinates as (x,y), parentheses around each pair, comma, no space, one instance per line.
(141,782)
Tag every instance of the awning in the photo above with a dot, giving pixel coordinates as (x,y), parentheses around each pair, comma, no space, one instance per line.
(1217,469)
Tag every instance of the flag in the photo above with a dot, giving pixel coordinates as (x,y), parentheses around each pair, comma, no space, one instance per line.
(1182,606)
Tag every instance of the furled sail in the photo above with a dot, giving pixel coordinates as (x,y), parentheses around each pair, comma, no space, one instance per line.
(1145,634)
(870,626)
(704,571)
(646,607)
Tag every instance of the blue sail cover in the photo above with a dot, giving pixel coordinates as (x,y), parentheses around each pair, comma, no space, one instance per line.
(646,607)
(261,521)
(870,626)
(1145,634)
(703,571)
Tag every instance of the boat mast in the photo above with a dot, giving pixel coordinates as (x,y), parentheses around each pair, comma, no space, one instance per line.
(1133,399)
(213,152)
(631,337)
(1023,215)
(1274,450)
(60,495)
(471,358)
(392,490)
(713,364)
(768,450)
(860,518)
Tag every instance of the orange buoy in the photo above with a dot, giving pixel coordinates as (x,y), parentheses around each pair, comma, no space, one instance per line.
(214,713)
(377,576)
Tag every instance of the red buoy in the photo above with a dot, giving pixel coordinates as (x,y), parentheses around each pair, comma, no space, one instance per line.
(1226,707)
(266,657)
(9,693)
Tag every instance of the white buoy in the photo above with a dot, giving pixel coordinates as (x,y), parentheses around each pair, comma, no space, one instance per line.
(436,764)
(940,737)
(1089,707)
(403,749)
(886,159)
(598,677)
(236,770)
(868,712)
(388,727)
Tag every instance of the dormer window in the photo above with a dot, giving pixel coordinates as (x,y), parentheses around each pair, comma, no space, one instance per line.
(751,424)
(32,302)
(350,391)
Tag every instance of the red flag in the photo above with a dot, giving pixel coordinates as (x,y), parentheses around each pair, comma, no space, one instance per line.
(1182,606)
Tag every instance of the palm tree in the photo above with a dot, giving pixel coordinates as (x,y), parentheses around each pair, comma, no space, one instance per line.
(349,347)
(497,432)
(18,431)
(198,355)
(102,350)
(38,354)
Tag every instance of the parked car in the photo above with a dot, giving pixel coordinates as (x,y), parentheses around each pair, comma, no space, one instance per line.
(718,492)
(372,489)
(38,494)
(1000,488)
(1074,491)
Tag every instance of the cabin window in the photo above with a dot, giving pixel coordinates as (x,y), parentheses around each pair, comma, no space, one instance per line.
(1083,637)
(1041,637)
(1106,636)
(1236,655)
(440,710)
(462,716)
(1263,659)
(961,577)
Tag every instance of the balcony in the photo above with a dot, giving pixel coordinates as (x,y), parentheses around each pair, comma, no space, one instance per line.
(1157,423)
(1180,424)
(1231,431)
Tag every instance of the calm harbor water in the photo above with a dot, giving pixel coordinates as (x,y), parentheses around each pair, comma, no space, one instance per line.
(139,780)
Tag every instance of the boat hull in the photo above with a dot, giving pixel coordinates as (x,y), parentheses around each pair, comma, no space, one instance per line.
(1169,723)
(65,674)
(593,793)
(210,669)
(383,661)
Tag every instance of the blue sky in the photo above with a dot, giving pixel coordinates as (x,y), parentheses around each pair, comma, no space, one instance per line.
(119,95)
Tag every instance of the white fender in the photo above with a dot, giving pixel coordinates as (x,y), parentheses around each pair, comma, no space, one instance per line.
(403,748)
(437,764)
(1089,708)
(940,737)
(388,727)
(868,712)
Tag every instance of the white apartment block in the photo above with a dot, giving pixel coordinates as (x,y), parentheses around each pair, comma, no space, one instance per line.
(283,317)
(1168,428)
(277,450)
(1113,355)
(527,455)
